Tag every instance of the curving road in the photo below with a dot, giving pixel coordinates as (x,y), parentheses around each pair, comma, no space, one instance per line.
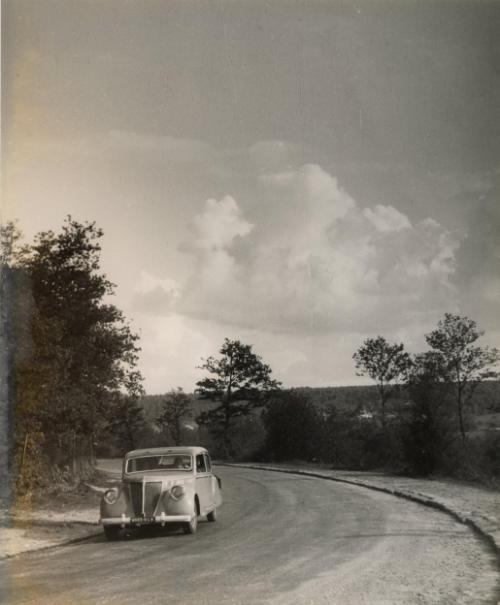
(281,540)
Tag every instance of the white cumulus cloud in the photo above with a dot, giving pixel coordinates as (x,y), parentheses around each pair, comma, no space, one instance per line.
(154,294)
(312,260)
(217,226)
(386,218)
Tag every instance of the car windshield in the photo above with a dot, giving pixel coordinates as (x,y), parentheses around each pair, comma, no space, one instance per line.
(168,462)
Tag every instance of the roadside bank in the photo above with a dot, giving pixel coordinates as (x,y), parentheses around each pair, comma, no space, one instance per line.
(62,516)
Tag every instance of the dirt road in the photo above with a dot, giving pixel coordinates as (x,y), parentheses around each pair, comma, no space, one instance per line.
(281,540)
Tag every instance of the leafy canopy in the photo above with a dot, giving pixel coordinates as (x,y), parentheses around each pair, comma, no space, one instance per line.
(77,356)
(239,375)
(456,354)
(381,361)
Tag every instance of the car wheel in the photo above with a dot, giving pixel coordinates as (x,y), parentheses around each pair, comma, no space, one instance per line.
(112,532)
(191,526)
(212,516)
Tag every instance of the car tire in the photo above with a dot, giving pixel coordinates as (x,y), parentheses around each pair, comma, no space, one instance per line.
(112,532)
(191,526)
(212,516)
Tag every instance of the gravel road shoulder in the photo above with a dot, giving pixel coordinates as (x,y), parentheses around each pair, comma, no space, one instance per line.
(60,518)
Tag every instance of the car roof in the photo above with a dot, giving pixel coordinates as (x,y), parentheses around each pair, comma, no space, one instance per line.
(161,451)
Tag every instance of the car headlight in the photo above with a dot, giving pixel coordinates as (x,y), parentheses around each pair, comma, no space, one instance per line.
(111,495)
(177,492)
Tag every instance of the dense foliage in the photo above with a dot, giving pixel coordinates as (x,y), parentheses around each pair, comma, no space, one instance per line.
(292,423)
(72,358)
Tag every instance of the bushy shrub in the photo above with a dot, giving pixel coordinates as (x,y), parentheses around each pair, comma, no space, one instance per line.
(365,445)
(293,427)
(247,437)
(478,460)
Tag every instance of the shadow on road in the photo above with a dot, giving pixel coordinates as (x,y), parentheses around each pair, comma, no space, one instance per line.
(141,533)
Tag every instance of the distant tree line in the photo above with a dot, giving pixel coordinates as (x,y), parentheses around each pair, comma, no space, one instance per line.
(417,419)
(421,421)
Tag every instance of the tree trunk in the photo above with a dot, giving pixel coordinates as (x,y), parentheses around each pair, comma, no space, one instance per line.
(91,450)
(226,446)
(382,405)
(25,447)
(74,462)
(461,417)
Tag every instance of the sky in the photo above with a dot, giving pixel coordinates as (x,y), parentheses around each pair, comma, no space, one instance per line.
(298,175)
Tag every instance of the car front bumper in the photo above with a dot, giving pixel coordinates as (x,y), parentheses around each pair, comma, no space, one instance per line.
(161,519)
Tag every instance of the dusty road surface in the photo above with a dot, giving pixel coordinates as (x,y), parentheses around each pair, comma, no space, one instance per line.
(280,539)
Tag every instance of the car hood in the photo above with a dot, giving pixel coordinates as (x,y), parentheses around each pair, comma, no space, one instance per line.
(175,477)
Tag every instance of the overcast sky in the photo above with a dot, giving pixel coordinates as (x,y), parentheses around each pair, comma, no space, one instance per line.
(299,175)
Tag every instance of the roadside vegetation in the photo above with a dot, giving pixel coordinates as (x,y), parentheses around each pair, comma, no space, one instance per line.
(69,358)
(434,413)
(69,376)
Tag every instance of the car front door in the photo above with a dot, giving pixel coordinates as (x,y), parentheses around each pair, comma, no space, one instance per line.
(203,485)
(215,485)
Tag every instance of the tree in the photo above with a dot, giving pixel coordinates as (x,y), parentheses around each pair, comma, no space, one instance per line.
(238,383)
(460,361)
(385,363)
(426,431)
(176,406)
(82,353)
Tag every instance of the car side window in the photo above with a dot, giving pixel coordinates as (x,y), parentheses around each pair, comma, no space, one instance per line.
(207,462)
(200,464)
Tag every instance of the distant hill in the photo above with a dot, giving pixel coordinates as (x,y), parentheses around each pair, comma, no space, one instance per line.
(344,399)
(153,405)
(486,397)
(347,399)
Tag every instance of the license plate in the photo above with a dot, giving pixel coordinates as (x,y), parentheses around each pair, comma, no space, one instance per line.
(142,520)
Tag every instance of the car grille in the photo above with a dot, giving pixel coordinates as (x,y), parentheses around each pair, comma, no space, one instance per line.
(152,493)
(136,497)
